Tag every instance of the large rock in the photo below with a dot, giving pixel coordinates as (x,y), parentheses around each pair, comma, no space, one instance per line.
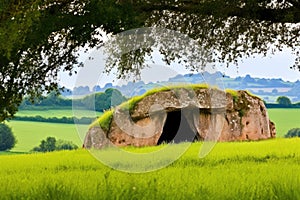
(185,115)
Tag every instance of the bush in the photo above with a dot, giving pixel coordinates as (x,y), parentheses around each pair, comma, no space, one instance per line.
(7,139)
(65,145)
(51,144)
(295,132)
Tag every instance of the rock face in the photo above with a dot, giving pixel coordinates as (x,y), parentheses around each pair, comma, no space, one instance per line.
(186,115)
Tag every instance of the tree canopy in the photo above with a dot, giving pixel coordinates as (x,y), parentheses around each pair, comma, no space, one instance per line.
(283,100)
(38,38)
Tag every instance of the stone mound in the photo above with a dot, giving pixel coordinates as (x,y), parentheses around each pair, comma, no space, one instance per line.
(181,114)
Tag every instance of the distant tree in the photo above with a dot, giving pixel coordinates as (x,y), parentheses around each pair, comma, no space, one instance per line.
(53,99)
(113,97)
(7,139)
(283,100)
(51,144)
(295,132)
(103,100)
(46,145)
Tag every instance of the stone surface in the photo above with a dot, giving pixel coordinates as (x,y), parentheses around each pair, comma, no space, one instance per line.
(209,114)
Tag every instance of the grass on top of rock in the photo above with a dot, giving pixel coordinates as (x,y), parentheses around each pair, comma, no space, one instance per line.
(235,94)
(104,121)
(130,104)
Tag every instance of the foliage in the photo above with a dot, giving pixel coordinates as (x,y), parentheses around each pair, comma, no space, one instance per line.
(294,132)
(64,120)
(283,100)
(51,144)
(102,101)
(276,105)
(259,170)
(97,102)
(59,113)
(46,145)
(38,37)
(65,145)
(7,139)
(51,100)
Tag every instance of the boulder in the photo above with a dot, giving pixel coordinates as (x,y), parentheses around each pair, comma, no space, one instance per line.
(183,114)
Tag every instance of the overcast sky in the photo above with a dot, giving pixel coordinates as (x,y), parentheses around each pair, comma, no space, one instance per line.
(274,66)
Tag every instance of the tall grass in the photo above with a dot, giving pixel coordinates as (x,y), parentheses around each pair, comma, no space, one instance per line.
(246,170)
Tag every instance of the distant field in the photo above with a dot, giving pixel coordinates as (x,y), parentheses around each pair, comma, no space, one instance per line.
(242,170)
(29,134)
(284,119)
(58,113)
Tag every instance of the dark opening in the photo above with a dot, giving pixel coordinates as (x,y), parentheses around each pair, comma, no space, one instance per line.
(176,129)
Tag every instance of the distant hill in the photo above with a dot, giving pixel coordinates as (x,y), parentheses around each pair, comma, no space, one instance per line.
(268,89)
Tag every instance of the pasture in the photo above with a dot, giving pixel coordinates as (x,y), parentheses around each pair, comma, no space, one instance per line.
(29,134)
(245,170)
(284,119)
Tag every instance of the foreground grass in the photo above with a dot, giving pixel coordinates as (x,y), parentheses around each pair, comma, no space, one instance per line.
(247,170)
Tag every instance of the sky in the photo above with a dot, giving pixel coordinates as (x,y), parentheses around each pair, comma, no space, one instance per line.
(272,66)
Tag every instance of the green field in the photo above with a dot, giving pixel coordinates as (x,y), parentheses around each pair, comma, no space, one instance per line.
(58,113)
(285,119)
(29,134)
(245,170)
(235,170)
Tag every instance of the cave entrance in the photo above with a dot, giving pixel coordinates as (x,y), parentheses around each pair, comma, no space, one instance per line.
(177,129)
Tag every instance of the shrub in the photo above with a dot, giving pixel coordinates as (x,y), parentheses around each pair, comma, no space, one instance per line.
(51,144)
(65,145)
(295,132)
(7,139)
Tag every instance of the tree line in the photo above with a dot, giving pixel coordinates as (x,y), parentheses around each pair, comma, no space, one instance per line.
(283,102)
(100,101)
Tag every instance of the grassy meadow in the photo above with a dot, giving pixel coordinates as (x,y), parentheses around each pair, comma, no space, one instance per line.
(285,119)
(245,170)
(30,134)
(232,170)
